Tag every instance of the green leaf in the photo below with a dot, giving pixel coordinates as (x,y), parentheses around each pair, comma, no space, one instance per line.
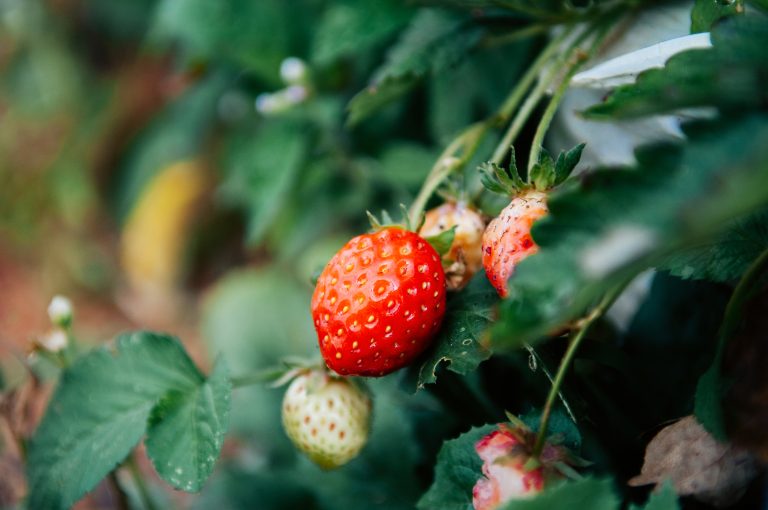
(468,315)
(434,40)
(665,499)
(348,28)
(615,223)
(442,242)
(706,13)
(456,472)
(186,431)
(731,75)
(260,170)
(592,493)
(254,36)
(566,162)
(100,411)
(723,258)
(244,319)
(561,426)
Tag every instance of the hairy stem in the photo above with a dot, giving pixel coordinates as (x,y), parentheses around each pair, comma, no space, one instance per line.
(576,60)
(565,363)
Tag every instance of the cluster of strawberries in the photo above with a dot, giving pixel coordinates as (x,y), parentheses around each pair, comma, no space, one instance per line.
(380,302)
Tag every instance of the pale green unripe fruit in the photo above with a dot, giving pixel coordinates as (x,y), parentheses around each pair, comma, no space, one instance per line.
(327,418)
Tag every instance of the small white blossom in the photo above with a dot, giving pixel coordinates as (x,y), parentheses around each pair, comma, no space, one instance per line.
(60,311)
(293,71)
(54,341)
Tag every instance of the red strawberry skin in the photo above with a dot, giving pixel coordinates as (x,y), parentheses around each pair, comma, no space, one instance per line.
(379,302)
(507,240)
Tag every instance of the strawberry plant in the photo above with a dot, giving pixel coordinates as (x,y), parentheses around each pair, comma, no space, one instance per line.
(570,313)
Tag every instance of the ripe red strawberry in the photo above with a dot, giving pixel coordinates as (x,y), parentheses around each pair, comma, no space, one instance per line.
(465,257)
(379,302)
(505,477)
(326,417)
(507,240)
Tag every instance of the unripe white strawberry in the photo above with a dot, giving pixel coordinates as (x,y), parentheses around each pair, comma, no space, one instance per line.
(326,417)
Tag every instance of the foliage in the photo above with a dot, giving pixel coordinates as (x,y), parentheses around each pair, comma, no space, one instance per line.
(305,114)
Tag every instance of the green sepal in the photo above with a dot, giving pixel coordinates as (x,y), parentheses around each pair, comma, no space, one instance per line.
(442,242)
(566,162)
(499,180)
(542,175)
(387,221)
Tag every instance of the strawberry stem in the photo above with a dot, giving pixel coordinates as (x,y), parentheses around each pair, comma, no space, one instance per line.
(576,59)
(570,353)
(518,93)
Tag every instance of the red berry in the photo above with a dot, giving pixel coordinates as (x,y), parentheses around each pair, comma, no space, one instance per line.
(507,240)
(379,302)
(505,477)
(465,256)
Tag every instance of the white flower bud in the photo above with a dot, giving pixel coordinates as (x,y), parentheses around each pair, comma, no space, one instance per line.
(267,103)
(60,311)
(54,341)
(296,94)
(293,71)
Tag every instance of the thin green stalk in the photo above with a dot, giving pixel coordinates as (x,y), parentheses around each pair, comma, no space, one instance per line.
(741,294)
(444,166)
(565,363)
(121,498)
(146,499)
(510,104)
(577,58)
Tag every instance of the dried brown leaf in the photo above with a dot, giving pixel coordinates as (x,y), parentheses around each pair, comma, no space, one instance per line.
(696,464)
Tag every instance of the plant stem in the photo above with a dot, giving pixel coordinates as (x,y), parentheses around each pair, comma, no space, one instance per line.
(469,140)
(741,294)
(573,346)
(577,58)
(121,498)
(470,137)
(138,479)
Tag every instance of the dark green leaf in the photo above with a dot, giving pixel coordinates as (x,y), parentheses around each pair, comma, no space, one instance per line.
(665,499)
(706,12)
(348,28)
(617,222)
(255,36)
(467,317)
(99,412)
(731,75)
(186,431)
(260,170)
(434,40)
(442,242)
(457,471)
(566,162)
(723,258)
(560,427)
(592,493)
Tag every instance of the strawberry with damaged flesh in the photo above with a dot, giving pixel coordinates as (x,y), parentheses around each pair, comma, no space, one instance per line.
(507,239)
(505,477)
(379,302)
(327,418)
(464,257)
